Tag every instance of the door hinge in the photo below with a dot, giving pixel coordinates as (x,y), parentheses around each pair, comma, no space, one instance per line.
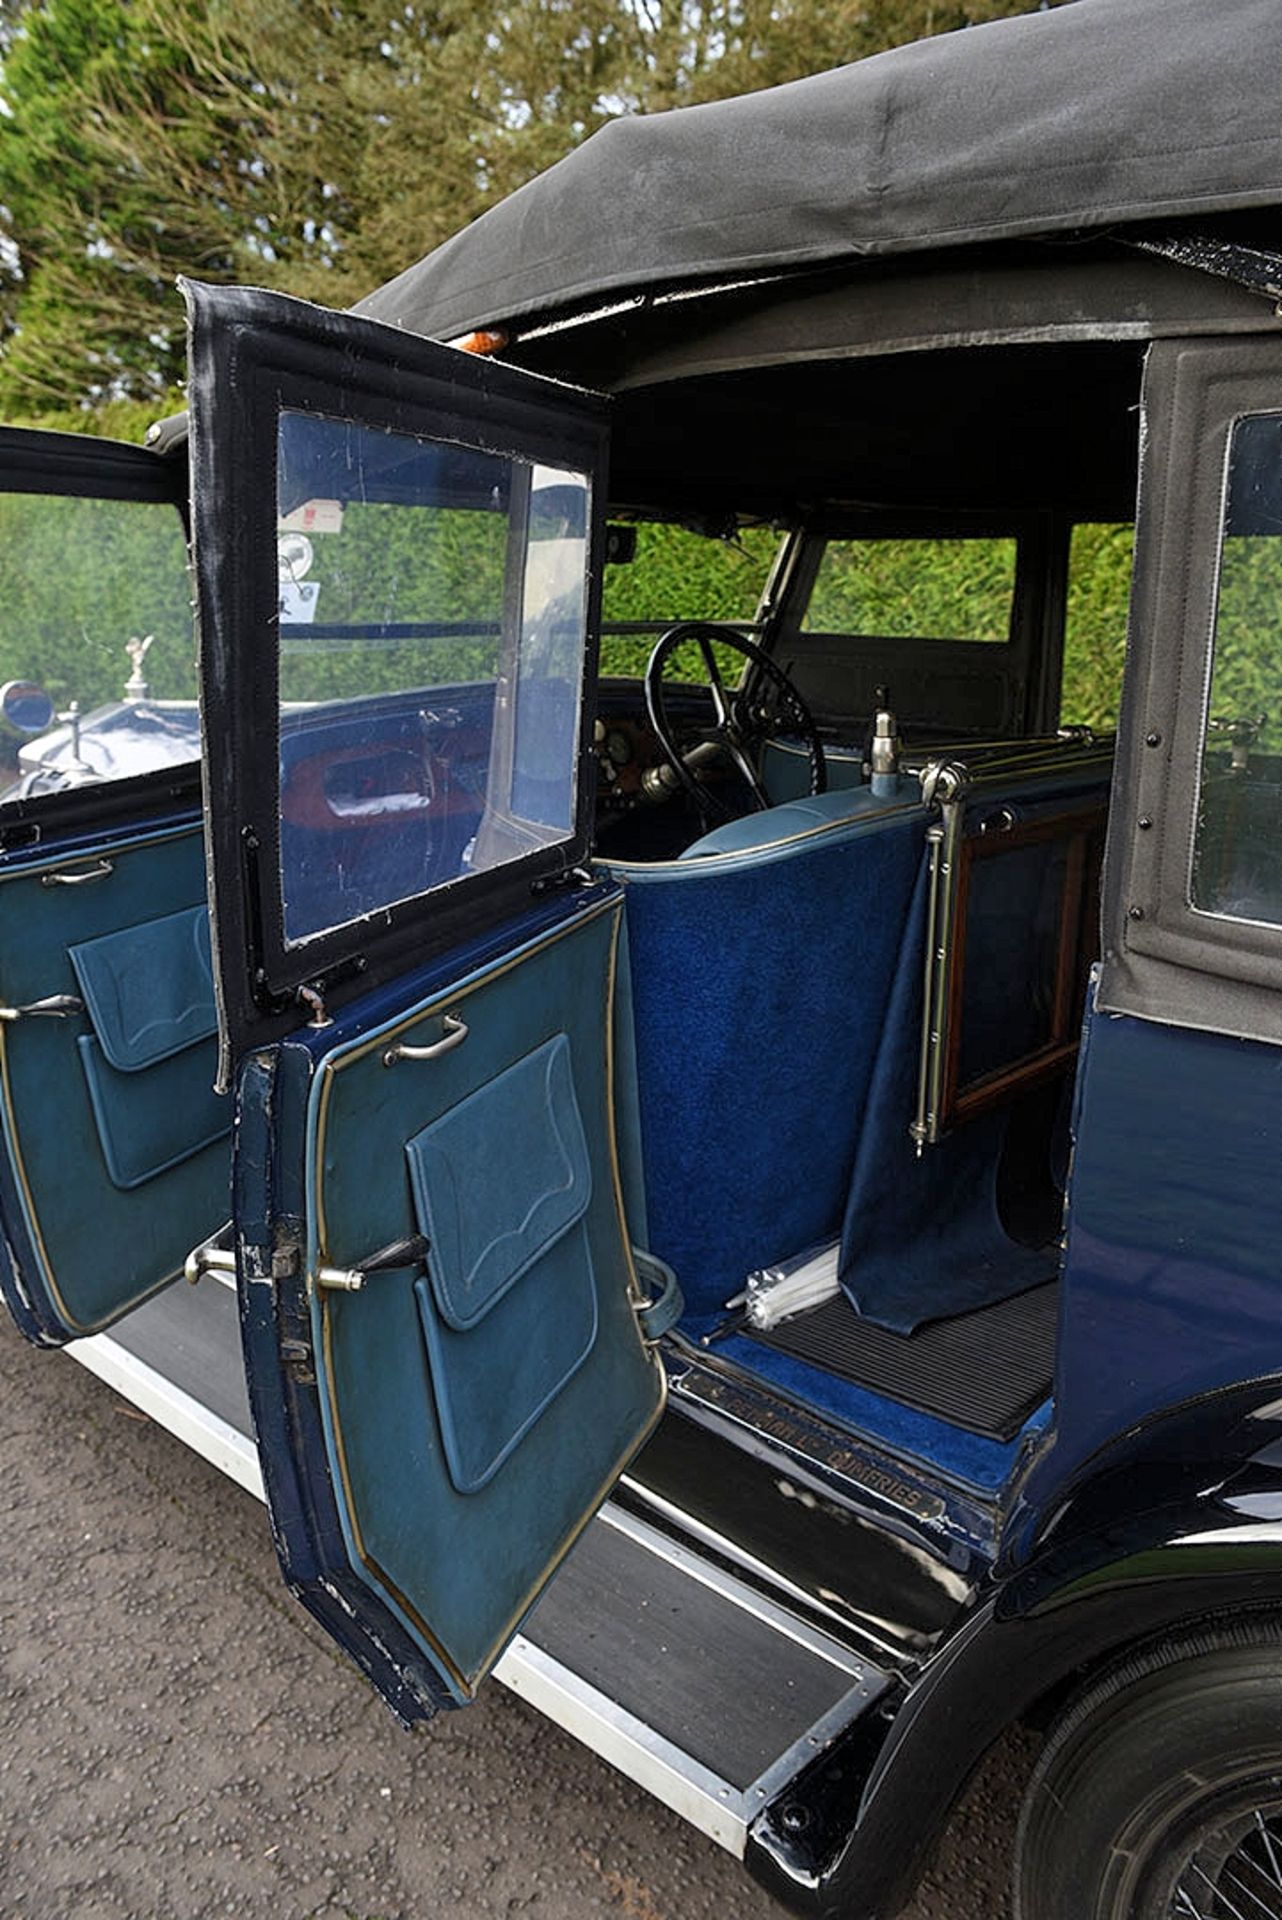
(297,1358)
(310,995)
(287,1258)
(563,879)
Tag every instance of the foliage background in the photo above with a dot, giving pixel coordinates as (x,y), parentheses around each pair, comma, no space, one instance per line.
(318,146)
(959,590)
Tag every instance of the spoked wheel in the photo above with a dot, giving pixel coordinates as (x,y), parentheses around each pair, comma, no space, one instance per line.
(1159,1793)
(1236,1873)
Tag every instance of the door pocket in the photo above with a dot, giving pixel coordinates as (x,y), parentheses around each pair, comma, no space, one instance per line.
(149,1063)
(502,1183)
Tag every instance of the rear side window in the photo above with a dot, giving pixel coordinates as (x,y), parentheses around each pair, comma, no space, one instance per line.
(958,589)
(1237,845)
(95,607)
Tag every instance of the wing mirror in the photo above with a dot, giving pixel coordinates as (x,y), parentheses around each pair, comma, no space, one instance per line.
(26,707)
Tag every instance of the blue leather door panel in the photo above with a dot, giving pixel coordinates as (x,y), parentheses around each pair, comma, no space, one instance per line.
(493,1382)
(436,1433)
(476,1413)
(149,989)
(112,1165)
(509,1308)
(149,1063)
(527,1121)
(153,1120)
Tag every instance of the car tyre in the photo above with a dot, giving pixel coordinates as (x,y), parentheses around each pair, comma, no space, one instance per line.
(1158,1795)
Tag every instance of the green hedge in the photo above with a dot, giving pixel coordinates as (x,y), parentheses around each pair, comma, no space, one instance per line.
(914,587)
(78,578)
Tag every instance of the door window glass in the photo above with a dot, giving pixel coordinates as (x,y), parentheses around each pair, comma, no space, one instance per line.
(962,589)
(95,608)
(1237,844)
(433,604)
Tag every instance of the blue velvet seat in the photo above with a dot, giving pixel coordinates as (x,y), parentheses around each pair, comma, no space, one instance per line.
(761,967)
(775,979)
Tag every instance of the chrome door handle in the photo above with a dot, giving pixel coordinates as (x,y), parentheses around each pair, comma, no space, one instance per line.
(58,1006)
(455,1033)
(214,1255)
(402,1253)
(78,876)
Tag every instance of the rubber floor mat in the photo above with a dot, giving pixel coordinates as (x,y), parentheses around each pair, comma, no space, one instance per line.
(985,1371)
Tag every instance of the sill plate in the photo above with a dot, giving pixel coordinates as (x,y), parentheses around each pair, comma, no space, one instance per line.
(692,1683)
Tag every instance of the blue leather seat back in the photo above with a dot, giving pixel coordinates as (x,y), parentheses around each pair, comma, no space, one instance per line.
(761,969)
(773,829)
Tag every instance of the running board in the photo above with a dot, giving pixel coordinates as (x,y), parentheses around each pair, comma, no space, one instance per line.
(206,1433)
(697,1687)
(693,1684)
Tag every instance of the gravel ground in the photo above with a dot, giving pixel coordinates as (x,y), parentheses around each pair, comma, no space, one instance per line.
(177,1740)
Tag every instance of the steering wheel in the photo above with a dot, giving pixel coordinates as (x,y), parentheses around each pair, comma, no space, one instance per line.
(743,718)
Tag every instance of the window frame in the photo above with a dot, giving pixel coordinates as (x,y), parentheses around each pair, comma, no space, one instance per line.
(1164,958)
(1080,832)
(252,356)
(1026,665)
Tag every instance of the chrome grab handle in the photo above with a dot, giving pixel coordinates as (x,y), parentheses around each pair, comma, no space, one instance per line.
(78,876)
(211,1256)
(455,1033)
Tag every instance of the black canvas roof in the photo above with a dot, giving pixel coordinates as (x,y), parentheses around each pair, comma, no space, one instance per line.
(1099,113)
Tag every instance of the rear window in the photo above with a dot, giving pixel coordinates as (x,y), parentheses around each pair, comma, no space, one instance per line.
(955,589)
(1237,844)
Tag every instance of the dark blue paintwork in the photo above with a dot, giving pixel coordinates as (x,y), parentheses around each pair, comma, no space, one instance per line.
(1173,1273)
(1177,1523)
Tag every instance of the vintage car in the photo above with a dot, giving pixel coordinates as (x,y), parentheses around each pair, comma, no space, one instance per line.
(746,1200)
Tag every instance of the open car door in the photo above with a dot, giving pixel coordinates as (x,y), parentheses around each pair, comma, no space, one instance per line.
(113,1145)
(450,1354)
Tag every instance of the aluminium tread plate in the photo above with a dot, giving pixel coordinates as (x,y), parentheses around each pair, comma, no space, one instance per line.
(723,1682)
(191,1335)
(707,1693)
